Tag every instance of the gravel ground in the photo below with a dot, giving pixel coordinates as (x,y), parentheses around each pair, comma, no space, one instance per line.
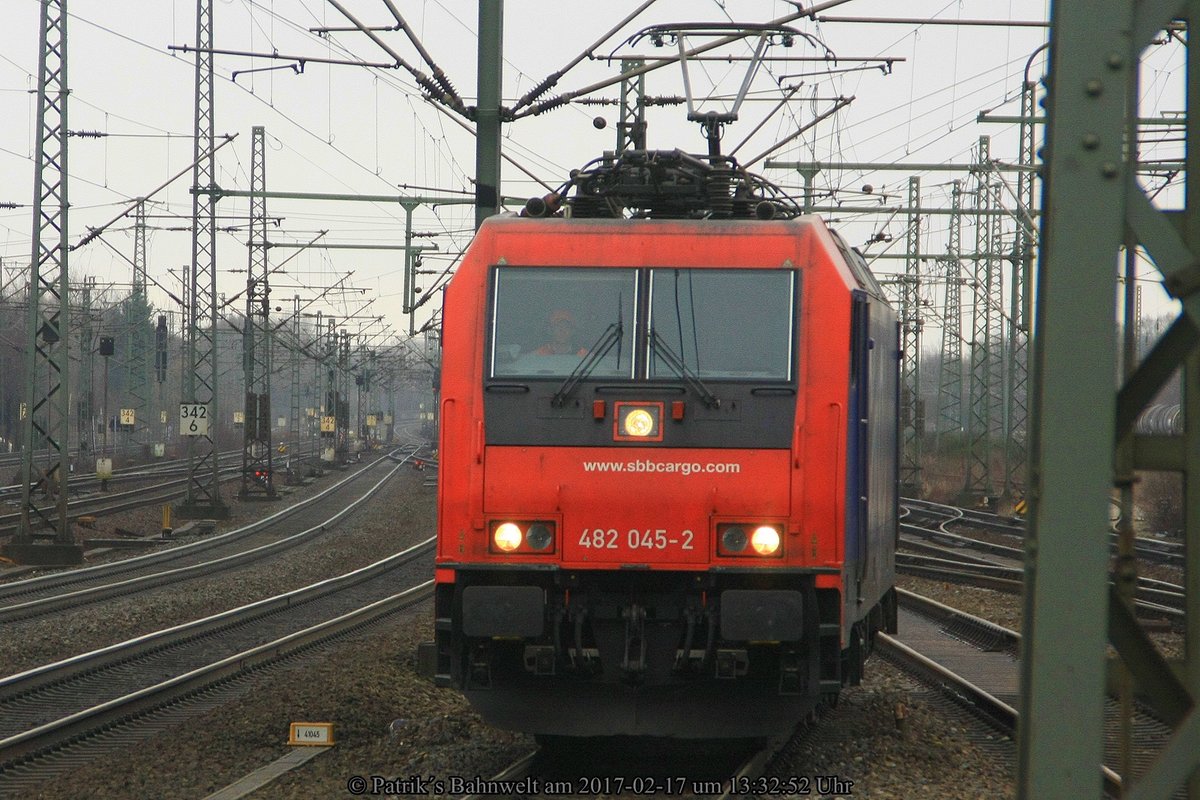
(394,725)
(348,546)
(389,722)
(1005,609)
(999,607)
(937,752)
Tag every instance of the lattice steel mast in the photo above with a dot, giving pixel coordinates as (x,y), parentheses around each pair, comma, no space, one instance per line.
(1016,438)
(200,381)
(137,317)
(258,478)
(86,423)
(950,380)
(631,128)
(912,410)
(978,481)
(47,389)
(294,405)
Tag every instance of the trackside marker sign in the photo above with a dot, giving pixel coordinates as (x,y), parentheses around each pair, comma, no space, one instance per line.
(311,733)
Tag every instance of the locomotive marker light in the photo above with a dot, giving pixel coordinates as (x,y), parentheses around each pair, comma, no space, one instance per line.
(733,540)
(638,422)
(524,536)
(765,540)
(539,537)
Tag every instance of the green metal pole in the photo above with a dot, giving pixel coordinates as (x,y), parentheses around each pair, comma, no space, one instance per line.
(1060,740)
(487,112)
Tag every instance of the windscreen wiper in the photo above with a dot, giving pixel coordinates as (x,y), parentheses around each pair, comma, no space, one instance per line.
(659,346)
(591,359)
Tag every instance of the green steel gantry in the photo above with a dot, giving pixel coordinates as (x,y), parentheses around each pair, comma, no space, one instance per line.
(1083,415)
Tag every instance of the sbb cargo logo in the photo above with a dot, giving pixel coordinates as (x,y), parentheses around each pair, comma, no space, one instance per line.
(650,466)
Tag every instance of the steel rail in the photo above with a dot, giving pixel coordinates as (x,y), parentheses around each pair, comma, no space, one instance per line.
(31,743)
(140,583)
(987,706)
(1155,597)
(1014,553)
(997,713)
(82,574)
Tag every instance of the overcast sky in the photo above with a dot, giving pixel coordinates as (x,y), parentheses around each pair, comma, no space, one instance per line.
(356,130)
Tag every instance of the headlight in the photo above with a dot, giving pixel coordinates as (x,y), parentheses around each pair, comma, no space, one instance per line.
(765,540)
(734,539)
(637,422)
(539,537)
(507,537)
(750,539)
(522,536)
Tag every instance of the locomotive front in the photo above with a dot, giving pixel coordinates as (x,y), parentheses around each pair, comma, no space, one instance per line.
(647,468)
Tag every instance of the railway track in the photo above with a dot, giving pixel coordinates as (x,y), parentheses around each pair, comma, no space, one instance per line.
(89,500)
(924,513)
(55,716)
(975,663)
(636,769)
(291,526)
(939,554)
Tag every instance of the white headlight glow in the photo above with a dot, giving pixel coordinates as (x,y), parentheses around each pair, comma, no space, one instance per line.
(507,537)
(765,540)
(639,422)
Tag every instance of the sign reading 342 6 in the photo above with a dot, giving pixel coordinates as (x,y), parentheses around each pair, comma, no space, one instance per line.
(193,419)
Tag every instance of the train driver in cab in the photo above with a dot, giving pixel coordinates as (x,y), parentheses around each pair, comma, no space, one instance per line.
(561,336)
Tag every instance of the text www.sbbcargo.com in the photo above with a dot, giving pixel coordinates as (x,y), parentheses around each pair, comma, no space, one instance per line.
(645,465)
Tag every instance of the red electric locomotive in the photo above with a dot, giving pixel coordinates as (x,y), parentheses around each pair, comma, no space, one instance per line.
(668,459)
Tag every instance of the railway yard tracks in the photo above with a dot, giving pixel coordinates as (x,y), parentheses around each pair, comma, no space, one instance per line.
(286,528)
(630,769)
(975,661)
(953,544)
(160,483)
(57,715)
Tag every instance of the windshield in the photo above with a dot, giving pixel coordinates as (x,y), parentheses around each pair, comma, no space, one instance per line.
(546,321)
(722,323)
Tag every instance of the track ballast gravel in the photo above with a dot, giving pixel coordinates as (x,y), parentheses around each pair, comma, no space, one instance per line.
(392,724)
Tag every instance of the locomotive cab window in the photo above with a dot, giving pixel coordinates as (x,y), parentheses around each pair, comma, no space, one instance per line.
(722,324)
(546,322)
